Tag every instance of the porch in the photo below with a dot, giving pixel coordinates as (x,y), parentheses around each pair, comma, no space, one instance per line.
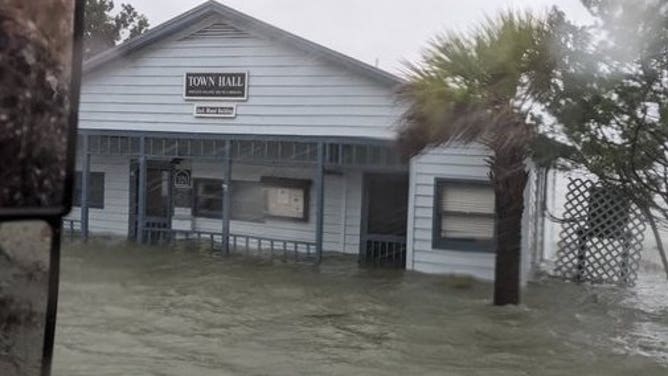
(184,186)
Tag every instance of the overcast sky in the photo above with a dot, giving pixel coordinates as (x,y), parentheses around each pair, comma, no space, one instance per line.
(387,30)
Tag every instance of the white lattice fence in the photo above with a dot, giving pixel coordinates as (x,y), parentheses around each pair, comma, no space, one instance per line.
(602,235)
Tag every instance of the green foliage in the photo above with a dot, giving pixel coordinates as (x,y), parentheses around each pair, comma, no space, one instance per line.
(479,87)
(611,98)
(102,30)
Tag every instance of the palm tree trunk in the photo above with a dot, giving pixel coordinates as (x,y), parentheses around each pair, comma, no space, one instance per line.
(509,178)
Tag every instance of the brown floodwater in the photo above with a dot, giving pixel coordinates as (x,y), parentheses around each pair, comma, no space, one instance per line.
(127,310)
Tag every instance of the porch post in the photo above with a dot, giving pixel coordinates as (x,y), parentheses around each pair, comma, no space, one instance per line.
(320,200)
(141,191)
(85,187)
(227,181)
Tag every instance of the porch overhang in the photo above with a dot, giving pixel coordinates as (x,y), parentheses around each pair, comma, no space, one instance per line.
(322,154)
(340,152)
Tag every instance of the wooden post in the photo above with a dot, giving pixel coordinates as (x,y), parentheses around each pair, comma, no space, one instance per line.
(320,201)
(509,179)
(141,191)
(85,187)
(227,181)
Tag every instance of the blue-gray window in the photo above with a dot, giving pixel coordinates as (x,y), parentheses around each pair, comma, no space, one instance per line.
(95,190)
(464,216)
(246,199)
(207,198)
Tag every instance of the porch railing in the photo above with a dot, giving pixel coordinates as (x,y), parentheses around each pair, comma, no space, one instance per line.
(276,247)
(71,228)
(237,243)
(384,251)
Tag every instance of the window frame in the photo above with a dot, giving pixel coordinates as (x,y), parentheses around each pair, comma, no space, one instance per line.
(196,212)
(292,183)
(76,197)
(459,244)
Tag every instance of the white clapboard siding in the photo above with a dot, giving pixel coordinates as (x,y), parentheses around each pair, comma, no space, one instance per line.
(457,163)
(291,92)
(264,90)
(113,219)
(339,235)
(279,112)
(268,101)
(333,237)
(443,162)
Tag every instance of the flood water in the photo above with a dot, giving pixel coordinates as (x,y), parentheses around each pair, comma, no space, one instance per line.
(149,311)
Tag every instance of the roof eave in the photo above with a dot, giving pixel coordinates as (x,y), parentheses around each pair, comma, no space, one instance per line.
(204,10)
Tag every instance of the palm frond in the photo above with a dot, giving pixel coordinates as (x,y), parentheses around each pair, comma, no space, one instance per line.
(475,87)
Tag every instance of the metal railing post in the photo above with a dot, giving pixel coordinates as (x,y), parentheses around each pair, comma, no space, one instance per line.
(85,187)
(320,201)
(227,181)
(141,191)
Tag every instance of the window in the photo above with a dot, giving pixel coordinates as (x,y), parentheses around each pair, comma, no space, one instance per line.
(253,201)
(95,190)
(208,198)
(247,201)
(287,198)
(464,216)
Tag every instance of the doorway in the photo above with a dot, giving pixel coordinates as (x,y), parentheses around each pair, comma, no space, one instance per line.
(158,198)
(384,215)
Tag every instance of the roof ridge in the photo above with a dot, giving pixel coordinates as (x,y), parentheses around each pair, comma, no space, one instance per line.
(179,22)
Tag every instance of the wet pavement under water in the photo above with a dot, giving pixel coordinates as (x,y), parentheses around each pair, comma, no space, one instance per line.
(126,310)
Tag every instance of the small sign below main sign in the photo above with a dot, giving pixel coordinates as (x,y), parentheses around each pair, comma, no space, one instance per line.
(216,86)
(215,110)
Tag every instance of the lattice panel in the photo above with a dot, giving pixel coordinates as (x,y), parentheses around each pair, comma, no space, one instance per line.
(602,235)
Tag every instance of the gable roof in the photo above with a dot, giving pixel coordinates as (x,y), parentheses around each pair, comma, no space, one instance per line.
(242,20)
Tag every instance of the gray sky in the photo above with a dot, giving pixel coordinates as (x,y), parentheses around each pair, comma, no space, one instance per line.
(387,30)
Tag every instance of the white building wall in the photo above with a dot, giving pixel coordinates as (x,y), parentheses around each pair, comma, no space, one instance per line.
(453,163)
(113,218)
(335,230)
(290,92)
(341,217)
(456,162)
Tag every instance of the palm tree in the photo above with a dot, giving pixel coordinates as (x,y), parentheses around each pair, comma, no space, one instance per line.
(481,87)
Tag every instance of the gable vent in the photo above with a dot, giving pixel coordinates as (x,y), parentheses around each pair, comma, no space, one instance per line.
(218,30)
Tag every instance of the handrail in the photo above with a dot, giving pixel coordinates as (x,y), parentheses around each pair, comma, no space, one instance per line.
(299,249)
(71,227)
(384,250)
